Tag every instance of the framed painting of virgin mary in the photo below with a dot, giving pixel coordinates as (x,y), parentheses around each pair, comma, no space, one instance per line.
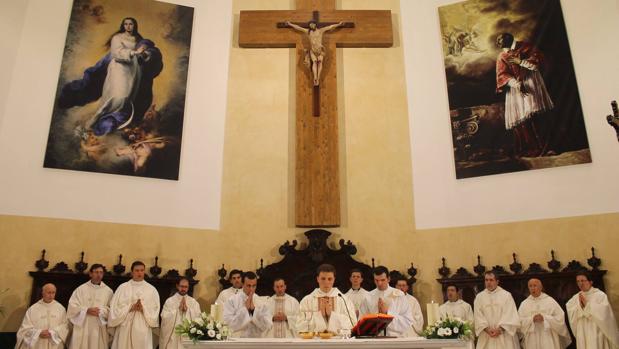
(120,97)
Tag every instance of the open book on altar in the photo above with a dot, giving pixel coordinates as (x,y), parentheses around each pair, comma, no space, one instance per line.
(370,325)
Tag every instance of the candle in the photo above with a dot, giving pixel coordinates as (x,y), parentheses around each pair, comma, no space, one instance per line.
(432,310)
(213,310)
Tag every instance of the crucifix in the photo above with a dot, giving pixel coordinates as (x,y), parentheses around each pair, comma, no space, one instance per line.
(317,190)
(315,54)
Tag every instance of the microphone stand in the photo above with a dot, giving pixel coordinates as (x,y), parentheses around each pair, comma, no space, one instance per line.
(347,311)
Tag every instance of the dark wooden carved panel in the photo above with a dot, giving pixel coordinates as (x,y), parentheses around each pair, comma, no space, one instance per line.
(559,283)
(298,267)
(67,280)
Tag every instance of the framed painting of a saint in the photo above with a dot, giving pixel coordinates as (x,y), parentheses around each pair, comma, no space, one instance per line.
(120,97)
(513,96)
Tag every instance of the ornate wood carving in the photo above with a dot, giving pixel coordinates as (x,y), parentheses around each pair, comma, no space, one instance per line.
(81,265)
(67,281)
(554,264)
(515,267)
(119,268)
(41,264)
(298,266)
(558,283)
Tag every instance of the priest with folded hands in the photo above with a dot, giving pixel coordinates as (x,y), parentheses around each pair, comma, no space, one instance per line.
(542,320)
(89,307)
(45,323)
(326,308)
(134,311)
(285,309)
(246,313)
(496,317)
(591,317)
(176,309)
(385,299)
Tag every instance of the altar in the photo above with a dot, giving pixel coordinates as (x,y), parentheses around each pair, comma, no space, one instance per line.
(297,343)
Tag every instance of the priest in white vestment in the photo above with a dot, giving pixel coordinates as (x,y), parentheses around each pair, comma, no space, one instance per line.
(326,308)
(285,310)
(385,299)
(496,317)
(456,307)
(417,325)
(236,281)
(88,311)
(134,312)
(356,293)
(45,323)
(247,314)
(591,317)
(542,321)
(176,309)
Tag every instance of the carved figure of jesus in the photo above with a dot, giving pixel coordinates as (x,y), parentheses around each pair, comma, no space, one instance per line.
(316,53)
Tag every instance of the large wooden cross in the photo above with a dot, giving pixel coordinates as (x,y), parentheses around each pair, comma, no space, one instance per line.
(317,201)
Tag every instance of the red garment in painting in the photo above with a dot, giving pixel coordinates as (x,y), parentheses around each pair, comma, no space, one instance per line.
(526,93)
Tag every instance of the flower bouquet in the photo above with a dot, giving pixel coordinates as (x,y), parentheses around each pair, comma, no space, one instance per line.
(449,329)
(204,328)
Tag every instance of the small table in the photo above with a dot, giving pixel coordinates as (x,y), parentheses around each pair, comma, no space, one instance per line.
(297,343)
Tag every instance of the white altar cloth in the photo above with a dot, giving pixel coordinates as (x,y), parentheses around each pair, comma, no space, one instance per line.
(336,343)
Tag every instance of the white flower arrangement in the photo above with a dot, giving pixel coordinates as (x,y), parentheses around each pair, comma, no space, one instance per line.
(449,329)
(204,328)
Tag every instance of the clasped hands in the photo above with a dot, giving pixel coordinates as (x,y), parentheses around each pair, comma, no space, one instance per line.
(45,334)
(137,306)
(326,306)
(279,317)
(582,299)
(249,303)
(494,332)
(538,318)
(94,311)
(383,308)
(183,306)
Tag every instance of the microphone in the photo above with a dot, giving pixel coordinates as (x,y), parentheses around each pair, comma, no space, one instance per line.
(346,305)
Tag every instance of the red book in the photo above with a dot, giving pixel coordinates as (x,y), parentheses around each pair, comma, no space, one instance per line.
(370,325)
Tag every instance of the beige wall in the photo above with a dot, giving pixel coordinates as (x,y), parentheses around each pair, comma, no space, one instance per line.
(256,200)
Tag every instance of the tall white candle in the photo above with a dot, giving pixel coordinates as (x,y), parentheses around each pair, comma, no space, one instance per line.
(432,310)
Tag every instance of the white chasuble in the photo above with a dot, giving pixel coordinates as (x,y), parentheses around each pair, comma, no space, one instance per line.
(242,322)
(594,326)
(417,325)
(43,316)
(496,309)
(458,309)
(551,333)
(311,320)
(357,297)
(134,329)
(90,331)
(171,316)
(397,306)
(289,306)
(226,294)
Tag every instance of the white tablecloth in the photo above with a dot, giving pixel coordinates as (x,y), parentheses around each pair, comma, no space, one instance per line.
(297,343)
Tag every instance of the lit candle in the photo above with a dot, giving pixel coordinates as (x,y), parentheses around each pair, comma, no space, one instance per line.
(432,309)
